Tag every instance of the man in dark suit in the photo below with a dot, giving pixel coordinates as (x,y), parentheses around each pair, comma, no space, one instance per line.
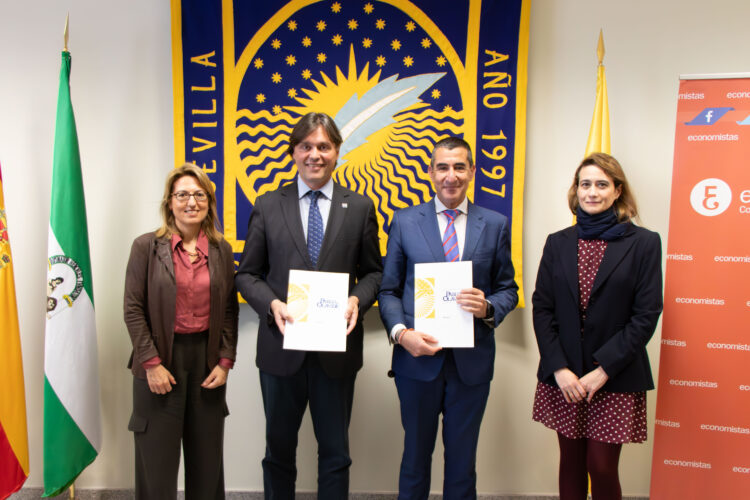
(431,380)
(311,224)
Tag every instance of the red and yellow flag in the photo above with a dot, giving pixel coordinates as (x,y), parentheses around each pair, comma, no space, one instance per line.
(14,446)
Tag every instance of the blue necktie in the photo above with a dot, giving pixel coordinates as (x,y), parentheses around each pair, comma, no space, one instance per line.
(450,239)
(314,228)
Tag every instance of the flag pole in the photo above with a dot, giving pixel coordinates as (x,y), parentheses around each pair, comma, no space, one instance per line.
(65,32)
(600,56)
(66,35)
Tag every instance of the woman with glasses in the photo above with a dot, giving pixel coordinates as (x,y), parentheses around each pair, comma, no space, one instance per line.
(181,312)
(598,297)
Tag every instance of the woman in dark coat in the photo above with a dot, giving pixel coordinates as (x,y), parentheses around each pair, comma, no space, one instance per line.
(181,312)
(597,300)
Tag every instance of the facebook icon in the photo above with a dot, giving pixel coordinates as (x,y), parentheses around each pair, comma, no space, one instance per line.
(708,116)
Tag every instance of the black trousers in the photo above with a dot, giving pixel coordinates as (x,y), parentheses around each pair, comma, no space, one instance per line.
(190,416)
(285,400)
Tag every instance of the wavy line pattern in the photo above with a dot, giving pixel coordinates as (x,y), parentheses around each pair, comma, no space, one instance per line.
(390,167)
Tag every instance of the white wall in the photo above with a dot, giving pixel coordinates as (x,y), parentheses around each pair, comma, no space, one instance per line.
(121,89)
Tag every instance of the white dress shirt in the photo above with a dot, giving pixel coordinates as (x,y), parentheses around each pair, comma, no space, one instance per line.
(459,224)
(324,202)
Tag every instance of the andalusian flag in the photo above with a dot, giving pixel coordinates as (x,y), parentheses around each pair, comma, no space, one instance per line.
(599,133)
(14,444)
(72,434)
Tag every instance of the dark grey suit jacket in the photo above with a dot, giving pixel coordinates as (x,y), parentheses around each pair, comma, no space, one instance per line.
(275,243)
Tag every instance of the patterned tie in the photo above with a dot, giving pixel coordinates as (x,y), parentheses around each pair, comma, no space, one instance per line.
(314,228)
(450,239)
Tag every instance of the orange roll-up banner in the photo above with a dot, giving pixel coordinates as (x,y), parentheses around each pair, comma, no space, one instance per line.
(702,432)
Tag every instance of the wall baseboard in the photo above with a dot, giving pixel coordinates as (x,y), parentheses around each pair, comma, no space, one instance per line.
(84,494)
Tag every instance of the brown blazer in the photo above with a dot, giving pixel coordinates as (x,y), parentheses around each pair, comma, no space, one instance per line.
(150,295)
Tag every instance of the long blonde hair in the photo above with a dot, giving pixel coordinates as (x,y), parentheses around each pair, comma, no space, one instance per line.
(210,224)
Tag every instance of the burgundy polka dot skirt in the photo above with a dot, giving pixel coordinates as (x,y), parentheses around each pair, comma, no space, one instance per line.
(611,417)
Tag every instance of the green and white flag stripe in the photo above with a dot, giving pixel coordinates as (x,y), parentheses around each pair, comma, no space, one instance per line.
(72,428)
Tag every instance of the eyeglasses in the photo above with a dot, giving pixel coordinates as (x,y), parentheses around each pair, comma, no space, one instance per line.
(184,196)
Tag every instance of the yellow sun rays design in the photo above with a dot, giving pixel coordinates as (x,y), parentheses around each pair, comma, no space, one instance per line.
(389,167)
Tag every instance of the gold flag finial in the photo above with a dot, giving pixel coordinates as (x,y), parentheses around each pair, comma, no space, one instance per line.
(65,33)
(600,47)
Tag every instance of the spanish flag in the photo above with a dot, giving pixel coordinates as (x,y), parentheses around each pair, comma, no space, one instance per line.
(14,445)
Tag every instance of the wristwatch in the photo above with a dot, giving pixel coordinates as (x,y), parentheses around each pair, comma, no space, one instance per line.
(490,310)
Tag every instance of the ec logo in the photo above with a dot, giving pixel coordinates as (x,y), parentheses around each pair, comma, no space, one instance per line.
(710,197)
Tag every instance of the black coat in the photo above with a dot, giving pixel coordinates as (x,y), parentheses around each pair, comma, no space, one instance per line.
(625,304)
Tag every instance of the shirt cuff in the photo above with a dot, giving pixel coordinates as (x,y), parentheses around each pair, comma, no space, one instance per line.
(395,330)
(151,363)
(226,363)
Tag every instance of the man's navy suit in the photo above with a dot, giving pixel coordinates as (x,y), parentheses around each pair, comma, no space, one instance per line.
(414,237)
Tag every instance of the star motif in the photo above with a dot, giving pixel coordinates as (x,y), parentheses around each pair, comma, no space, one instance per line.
(441,60)
(291,60)
(321,26)
(337,39)
(368,8)
(306,42)
(306,74)
(277,110)
(410,26)
(261,98)
(321,57)
(352,24)
(258,63)
(380,24)
(366,43)
(380,61)
(448,107)
(426,42)
(336,7)
(408,61)
(276,78)
(276,43)
(292,93)
(395,45)
(436,94)
(292,25)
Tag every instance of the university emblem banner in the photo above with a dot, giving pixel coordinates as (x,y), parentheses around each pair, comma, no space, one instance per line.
(396,75)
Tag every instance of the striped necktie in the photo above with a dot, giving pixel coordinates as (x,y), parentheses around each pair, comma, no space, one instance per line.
(314,228)
(450,239)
